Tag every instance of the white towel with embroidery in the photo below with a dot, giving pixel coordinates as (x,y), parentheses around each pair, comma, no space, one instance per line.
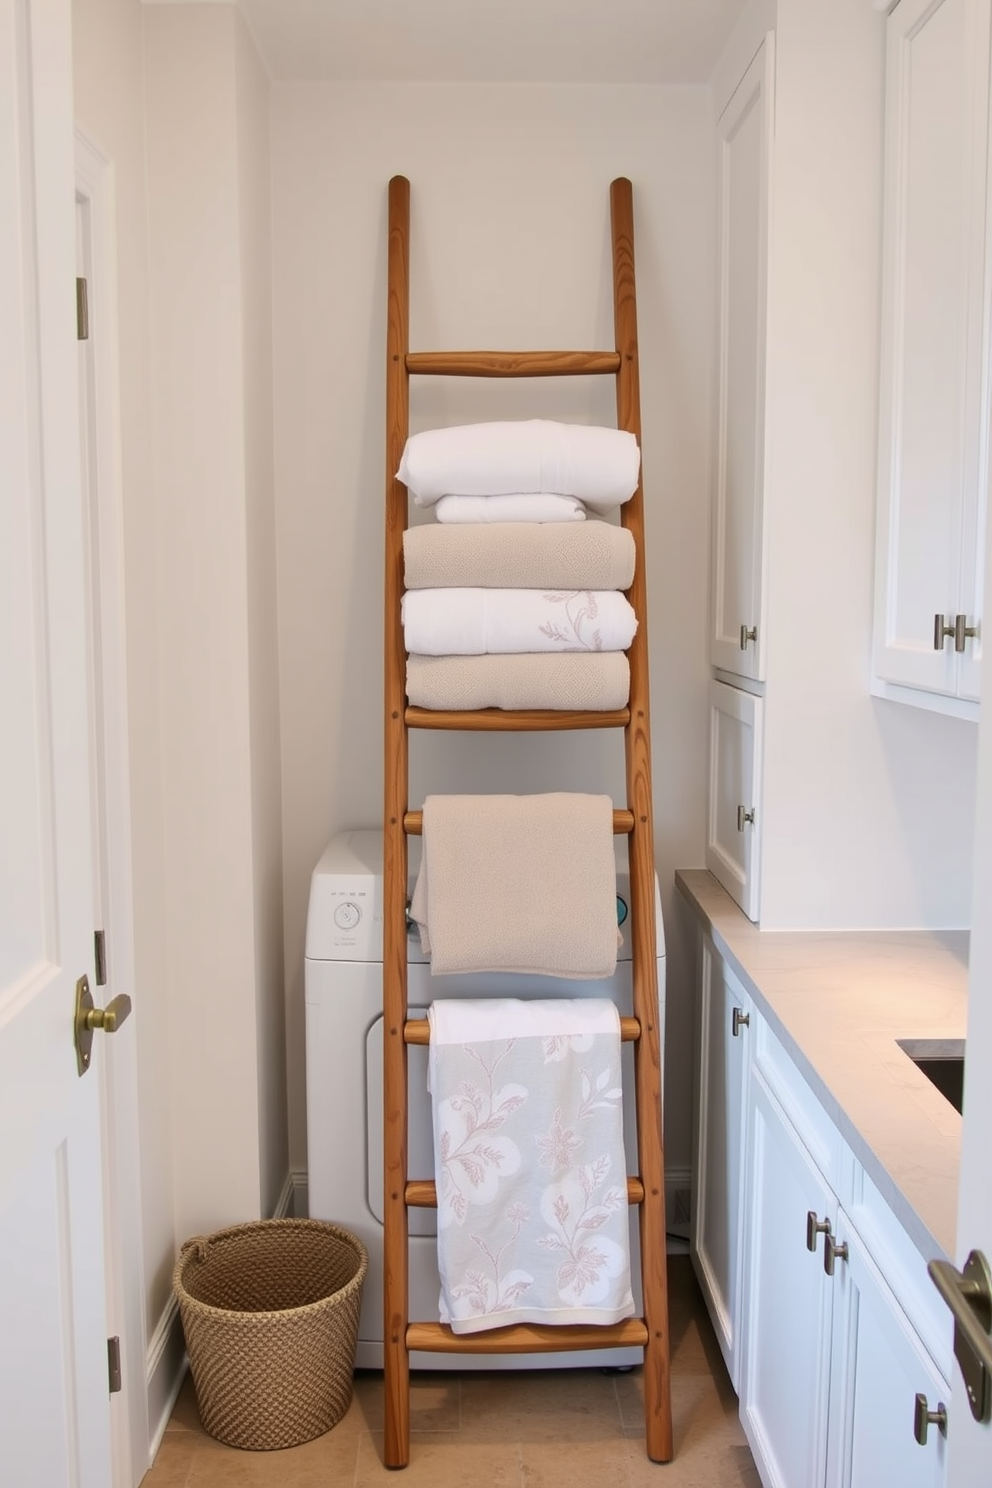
(598,465)
(529,1162)
(480,622)
(524,507)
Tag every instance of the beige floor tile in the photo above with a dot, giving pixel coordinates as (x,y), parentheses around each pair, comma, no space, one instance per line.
(442,1460)
(541,1405)
(564,1464)
(435,1401)
(329,1460)
(173,1460)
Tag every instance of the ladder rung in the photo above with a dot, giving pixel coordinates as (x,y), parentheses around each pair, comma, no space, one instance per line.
(512,363)
(421,1193)
(418,1031)
(413,823)
(507,720)
(527,1338)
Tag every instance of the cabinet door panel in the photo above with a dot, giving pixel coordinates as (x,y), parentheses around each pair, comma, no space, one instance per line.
(879,1368)
(786,1326)
(744,134)
(931,421)
(716,1217)
(733,817)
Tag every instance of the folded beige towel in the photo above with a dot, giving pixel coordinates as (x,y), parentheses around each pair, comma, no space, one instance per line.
(579,681)
(519,555)
(518,883)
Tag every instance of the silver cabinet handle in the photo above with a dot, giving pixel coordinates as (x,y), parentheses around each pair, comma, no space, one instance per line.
(962,630)
(744,817)
(748,634)
(832,1252)
(968,1294)
(739,1020)
(815,1227)
(941,630)
(924,1418)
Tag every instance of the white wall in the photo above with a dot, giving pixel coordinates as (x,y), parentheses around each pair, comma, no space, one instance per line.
(254,204)
(868,805)
(510,248)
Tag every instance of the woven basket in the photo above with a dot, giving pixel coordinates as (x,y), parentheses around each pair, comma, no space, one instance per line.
(270,1314)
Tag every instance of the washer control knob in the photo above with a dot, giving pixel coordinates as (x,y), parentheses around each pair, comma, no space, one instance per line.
(347,915)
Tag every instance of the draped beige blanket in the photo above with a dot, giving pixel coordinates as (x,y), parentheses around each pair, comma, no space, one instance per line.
(519,884)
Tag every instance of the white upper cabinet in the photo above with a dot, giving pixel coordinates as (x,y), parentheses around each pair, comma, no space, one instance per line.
(934,396)
(744,135)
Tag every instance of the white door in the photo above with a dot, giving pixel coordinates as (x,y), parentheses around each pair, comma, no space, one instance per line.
(878,1367)
(53,1364)
(786,1327)
(970,1442)
(722,1061)
(744,135)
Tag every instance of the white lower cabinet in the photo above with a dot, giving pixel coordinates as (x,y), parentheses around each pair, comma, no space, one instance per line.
(878,1368)
(821,1302)
(785,1376)
(723,1016)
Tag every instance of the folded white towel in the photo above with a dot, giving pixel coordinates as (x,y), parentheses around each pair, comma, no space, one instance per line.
(474,622)
(518,883)
(520,508)
(600,466)
(529,1162)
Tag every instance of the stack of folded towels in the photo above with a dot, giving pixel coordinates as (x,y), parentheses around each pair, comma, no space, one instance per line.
(513,595)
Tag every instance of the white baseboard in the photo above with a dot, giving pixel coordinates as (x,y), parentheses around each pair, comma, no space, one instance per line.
(166,1369)
(286,1203)
(301,1193)
(678,1199)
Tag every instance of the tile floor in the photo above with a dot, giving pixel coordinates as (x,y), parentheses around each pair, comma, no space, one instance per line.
(573,1428)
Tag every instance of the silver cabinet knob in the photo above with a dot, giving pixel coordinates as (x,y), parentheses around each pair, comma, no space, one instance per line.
(739,1020)
(815,1227)
(832,1252)
(744,817)
(748,633)
(962,630)
(941,630)
(924,1418)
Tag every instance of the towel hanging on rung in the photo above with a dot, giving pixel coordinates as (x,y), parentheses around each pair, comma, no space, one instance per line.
(519,884)
(533,1222)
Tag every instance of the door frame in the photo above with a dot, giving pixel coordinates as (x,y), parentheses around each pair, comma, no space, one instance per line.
(103,486)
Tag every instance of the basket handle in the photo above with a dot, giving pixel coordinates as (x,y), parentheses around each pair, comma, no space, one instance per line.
(201,1242)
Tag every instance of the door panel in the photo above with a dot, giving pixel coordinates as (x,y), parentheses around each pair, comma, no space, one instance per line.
(53,1365)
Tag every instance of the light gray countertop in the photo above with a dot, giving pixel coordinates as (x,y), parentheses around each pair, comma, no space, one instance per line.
(838,1001)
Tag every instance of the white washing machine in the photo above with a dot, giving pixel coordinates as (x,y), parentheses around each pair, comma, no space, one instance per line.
(343,980)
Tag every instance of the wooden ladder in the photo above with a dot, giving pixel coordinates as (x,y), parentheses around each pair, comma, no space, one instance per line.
(647,1188)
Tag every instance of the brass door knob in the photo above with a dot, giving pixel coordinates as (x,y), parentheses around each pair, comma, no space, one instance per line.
(88,1019)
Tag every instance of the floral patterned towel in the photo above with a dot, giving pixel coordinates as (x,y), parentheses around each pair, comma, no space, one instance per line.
(529,1162)
(480,622)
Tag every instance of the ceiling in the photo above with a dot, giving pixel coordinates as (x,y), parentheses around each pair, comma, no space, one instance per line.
(490,41)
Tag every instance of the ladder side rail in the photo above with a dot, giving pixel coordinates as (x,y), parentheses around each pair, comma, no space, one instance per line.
(637,749)
(396,1358)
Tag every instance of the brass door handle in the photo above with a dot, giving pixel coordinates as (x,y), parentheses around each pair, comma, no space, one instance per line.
(89,1019)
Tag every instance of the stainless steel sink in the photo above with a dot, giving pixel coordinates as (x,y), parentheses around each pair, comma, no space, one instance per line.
(942,1061)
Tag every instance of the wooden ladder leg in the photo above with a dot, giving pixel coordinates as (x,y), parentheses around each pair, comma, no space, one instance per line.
(396,1356)
(637,749)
